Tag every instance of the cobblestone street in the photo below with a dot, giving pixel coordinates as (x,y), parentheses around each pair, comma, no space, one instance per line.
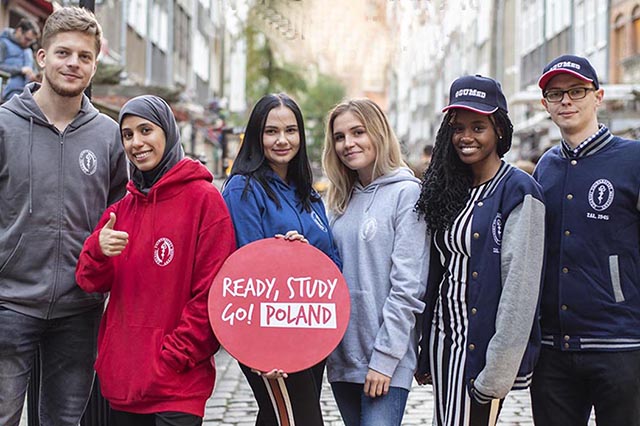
(232,402)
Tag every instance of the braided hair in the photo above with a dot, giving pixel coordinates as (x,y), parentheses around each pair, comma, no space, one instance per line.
(445,184)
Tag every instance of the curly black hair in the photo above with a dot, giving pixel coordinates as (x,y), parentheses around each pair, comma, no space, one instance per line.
(445,184)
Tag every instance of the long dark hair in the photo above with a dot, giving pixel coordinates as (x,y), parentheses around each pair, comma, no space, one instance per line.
(252,163)
(446,183)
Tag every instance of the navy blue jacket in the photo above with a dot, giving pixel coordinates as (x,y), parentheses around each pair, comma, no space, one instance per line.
(591,297)
(489,270)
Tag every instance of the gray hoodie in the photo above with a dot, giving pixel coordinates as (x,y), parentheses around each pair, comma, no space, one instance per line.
(53,188)
(385,255)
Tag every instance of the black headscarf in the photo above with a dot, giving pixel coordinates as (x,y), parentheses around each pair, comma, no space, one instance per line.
(157,111)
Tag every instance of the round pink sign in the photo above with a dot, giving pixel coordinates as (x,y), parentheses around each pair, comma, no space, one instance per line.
(279,304)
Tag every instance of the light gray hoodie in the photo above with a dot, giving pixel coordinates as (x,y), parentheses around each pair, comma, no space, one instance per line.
(385,256)
(53,189)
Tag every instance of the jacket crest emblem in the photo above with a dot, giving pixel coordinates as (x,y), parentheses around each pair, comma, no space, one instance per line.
(601,195)
(88,162)
(496,228)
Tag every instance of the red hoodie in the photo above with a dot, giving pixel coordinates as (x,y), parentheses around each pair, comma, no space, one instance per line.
(155,344)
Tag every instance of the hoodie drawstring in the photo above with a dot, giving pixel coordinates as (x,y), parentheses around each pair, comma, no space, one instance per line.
(373,197)
(30,165)
(153,215)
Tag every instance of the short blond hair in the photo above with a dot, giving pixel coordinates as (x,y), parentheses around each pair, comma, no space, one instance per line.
(387,148)
(72,18)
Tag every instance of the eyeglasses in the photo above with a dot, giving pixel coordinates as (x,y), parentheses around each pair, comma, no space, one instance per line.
(574,93)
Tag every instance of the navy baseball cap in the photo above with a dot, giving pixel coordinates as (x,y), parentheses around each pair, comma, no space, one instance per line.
(476,93)
(577,66)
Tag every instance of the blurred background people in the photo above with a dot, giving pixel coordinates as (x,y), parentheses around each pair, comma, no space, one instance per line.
(16,56)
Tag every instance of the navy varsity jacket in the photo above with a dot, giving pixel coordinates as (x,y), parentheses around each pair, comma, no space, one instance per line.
(591,296)
(504,279)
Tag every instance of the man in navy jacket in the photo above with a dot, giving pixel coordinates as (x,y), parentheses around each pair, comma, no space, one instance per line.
(590,310)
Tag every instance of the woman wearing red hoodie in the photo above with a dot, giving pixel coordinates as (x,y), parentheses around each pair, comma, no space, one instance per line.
(157,251)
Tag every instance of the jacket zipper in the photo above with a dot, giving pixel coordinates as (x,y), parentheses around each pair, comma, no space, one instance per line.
(56,272)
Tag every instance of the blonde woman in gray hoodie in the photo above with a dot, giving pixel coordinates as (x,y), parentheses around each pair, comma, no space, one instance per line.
(385,252)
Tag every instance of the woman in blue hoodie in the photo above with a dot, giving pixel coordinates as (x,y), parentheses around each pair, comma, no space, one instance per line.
(385,250)
(269,193)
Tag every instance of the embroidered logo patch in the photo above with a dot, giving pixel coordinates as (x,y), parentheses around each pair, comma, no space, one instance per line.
(318,221)
(88,162)
(496,228)
(601,195)
(368,229)
(163,251)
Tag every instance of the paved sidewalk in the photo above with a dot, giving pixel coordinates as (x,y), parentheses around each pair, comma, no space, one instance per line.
(232,403)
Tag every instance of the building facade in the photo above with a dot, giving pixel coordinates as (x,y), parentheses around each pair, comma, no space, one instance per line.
(512,41)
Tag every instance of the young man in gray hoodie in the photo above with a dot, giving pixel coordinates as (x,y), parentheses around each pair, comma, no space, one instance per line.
(61,165)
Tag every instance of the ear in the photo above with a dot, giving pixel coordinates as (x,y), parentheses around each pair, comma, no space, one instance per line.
(599,96)
(544,103)
(95,68)
(41,56)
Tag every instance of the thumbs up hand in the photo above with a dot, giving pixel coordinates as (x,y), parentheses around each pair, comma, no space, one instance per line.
(112,242)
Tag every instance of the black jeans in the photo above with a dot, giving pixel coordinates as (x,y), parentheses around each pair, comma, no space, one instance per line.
(169,418)
(567,384)
(67,348)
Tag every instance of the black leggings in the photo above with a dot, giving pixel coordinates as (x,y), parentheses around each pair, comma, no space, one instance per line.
(168,418)
(294,400)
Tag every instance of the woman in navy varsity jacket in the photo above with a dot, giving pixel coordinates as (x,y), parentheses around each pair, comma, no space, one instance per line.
(487,221)
(269,192)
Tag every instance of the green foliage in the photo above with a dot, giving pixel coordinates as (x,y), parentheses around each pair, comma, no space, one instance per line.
(317,101)
(265,74)
(315,93)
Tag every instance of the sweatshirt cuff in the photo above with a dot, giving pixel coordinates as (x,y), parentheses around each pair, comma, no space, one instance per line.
(482,394)
(383,363)
(94,248)
(480,397)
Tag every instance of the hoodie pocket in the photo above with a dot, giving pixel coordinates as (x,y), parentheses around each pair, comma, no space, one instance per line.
(357,344)
(126,361)
(614,272)
(10,254)
(30,259)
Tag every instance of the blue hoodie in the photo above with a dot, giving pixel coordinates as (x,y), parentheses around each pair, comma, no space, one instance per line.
(255,216)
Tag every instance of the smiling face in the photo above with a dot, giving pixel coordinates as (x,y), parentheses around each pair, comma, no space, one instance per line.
(144,142)
(577,119)
(476,143)
(69,63)
(280,139)
(354,146)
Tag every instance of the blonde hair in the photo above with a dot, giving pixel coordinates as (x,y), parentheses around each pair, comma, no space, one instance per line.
(68,19)
(386,145)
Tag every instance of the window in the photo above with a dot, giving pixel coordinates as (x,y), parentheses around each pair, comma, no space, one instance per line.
(635,28)
(137,17)
(618,39)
